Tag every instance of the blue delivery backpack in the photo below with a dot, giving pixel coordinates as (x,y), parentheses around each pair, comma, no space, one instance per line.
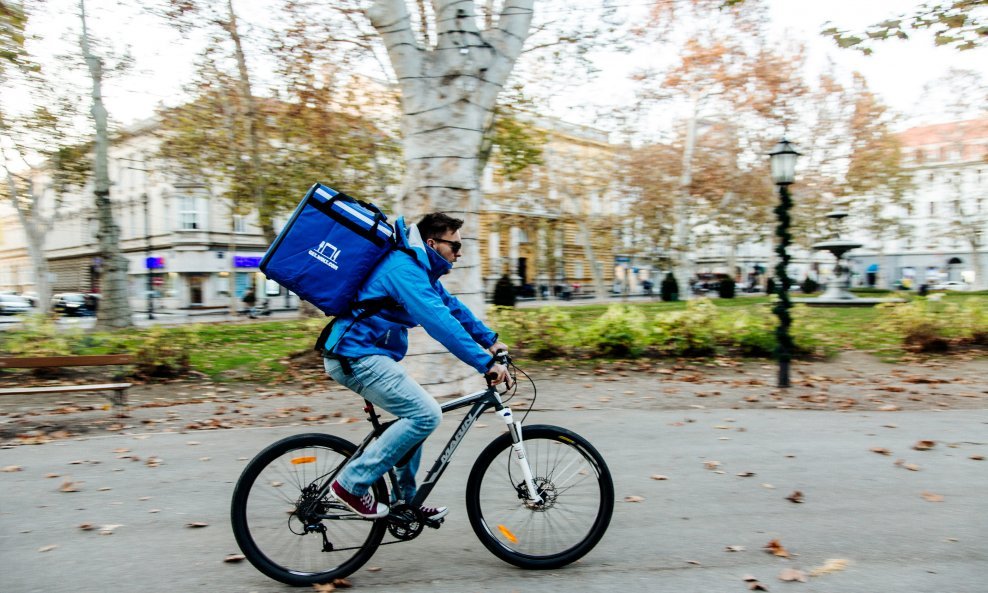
(328,248)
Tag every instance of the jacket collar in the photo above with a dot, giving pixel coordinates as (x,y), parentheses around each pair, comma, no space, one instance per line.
(428,258)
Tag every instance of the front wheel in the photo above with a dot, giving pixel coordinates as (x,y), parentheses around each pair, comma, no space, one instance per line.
(573,482)
(285,529)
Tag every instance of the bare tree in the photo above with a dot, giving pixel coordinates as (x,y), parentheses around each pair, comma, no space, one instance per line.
(114,310)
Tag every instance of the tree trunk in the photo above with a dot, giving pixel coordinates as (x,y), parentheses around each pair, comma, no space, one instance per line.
(34,232)
(448,95)
(979,276)
(588,253)
(265,210)
(681,208)
(114,307)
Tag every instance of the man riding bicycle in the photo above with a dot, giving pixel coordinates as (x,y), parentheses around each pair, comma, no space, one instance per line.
(364,346)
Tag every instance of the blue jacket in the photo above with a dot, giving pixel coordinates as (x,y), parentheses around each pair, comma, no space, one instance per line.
(410,276)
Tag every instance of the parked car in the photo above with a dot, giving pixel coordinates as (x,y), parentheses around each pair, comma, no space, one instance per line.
(951,285)
(71,304)
(11,304)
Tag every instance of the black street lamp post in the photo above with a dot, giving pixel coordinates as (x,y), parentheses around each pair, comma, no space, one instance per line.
(783,160)
(147,259)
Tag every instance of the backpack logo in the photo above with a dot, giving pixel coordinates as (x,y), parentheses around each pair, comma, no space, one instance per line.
(320,254)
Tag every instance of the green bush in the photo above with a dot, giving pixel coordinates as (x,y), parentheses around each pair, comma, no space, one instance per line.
(165,352)
(752,333)
(726,288)
(40,336)
(690,332)
(540,333)
(619,332)
(809,286)
(809,334)
(670,288)
(921,323)
(971,321)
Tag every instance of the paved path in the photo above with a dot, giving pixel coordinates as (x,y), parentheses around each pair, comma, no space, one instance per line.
(859,506)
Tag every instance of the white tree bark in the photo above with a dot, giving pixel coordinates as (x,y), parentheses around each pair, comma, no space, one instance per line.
(681,208)
(448,93)
(36,228)
(114,308)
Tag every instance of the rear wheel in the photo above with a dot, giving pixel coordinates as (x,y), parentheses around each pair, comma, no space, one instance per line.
(288,533)
(573,482)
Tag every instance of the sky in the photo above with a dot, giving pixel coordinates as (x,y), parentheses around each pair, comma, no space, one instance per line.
(897,70)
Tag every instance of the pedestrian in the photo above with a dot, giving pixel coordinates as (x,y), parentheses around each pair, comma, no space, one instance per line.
(249,298)
(362,352)
(504,292)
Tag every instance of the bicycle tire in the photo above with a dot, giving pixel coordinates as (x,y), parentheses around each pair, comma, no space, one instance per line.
(270,533)
(576,484)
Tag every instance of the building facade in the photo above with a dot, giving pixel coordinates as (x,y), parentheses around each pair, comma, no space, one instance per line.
(555,229)
(946,213)
(186,247)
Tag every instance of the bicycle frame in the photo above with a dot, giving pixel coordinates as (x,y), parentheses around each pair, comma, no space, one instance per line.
(481,402)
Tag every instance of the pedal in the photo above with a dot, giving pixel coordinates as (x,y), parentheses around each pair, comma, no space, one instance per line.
(434,523)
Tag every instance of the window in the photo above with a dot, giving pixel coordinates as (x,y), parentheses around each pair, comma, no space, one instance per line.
(188,214)
(933,208)
(239,223)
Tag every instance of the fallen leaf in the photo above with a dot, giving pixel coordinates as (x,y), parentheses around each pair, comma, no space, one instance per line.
(734,548)
(634,498)
(910,466)
(775,548)
(234,558)
(68,486)
(830,566)
(342,583)
(659,477)
(977,457)
(12,468)
(196,524)
(374,569)
(792,574)
(746,474)
(924,445)
(108,529)
(931,497)
(47,548)
(796,497)
(87,526)
(323,588)
(711,464)
(881,450)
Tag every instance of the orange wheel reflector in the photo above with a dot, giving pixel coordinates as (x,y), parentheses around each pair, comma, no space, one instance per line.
(301,460)
(507,533)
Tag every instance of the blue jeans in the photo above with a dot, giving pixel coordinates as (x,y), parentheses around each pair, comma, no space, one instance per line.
(385,383)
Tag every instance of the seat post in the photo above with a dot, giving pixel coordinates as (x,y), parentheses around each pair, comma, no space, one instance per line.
(372,414)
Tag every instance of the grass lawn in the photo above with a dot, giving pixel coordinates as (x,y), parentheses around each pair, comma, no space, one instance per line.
(257,351)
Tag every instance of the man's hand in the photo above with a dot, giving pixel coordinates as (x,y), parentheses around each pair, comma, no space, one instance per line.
(499,374)
(497,347)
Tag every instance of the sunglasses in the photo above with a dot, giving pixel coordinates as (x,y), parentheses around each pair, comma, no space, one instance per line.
(456,246)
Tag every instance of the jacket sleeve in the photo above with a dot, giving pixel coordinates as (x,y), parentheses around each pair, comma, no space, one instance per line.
(409,285)
(481,334)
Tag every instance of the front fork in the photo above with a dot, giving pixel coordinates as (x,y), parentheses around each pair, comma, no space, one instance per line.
(518,444)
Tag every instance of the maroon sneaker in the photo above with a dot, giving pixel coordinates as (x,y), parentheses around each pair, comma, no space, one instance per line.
(365,505)
(434,513)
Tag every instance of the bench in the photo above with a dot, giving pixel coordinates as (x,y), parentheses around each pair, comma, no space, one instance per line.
(119,390)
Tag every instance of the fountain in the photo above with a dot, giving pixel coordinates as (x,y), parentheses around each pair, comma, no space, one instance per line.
(837,293)
(838,288)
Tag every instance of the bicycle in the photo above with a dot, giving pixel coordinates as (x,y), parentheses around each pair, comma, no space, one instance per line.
(538,498)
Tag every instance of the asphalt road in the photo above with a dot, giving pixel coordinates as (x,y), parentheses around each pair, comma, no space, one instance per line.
(859,507)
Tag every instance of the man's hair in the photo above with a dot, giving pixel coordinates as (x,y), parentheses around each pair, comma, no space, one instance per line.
(437,224)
